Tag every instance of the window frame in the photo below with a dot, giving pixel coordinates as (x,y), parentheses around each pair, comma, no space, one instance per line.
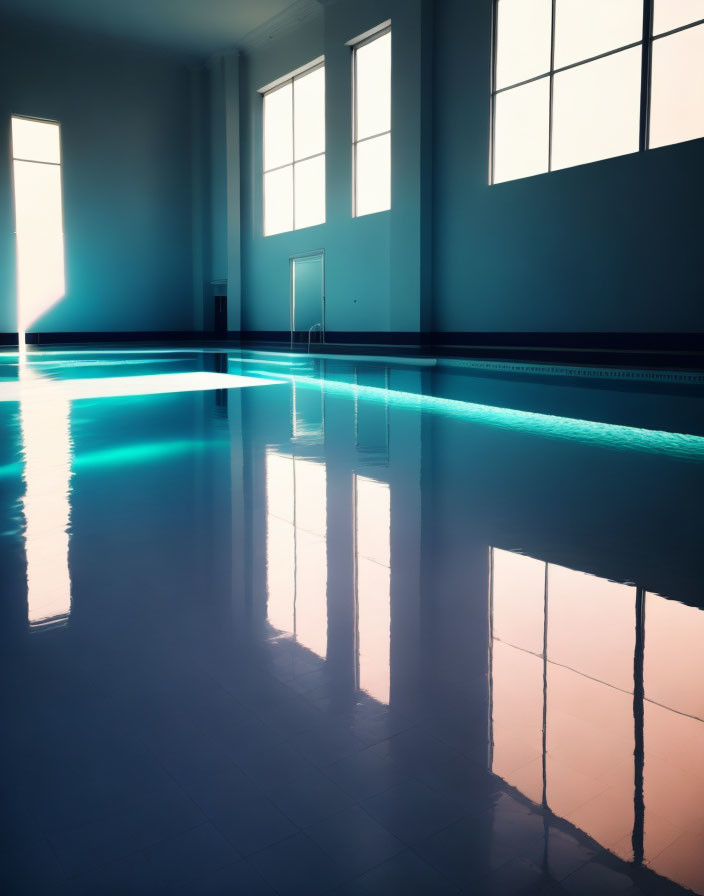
(296,75)
(357,44)
(13,159)
(646,41)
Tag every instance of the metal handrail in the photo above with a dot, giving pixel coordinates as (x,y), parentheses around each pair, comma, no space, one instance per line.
(314,328)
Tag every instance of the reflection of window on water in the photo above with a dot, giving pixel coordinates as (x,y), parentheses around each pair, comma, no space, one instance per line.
(307,415)
(46,442)
(570,727)
(297,549)
(372,533)
(371,418)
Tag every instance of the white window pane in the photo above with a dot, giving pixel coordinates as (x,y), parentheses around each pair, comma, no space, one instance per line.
(522,40)
(373,87)
(586,28)
(596,113)
(310,192)
(278,127)
(37,198)
(671,14)
(278,201)
(373,175)
(521,129)
(309,114)
(36,141)
(677,94)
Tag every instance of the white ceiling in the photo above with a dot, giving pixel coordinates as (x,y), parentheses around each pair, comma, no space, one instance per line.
(197,27)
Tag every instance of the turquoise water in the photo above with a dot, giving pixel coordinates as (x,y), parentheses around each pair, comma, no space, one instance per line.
(353,621)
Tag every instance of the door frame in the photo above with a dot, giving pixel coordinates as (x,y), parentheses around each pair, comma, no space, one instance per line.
(292,299)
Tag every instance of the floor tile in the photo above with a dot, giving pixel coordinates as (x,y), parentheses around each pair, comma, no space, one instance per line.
(310,798)
(404,875)
(328,743)
(298,866)
(29,865)
(275,766)
(412,811)
(365,774)
(238,879)
(119,834)
(163,867)
(597,878)
(354,839)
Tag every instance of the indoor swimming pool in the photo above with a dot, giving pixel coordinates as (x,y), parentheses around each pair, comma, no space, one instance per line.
(276,623)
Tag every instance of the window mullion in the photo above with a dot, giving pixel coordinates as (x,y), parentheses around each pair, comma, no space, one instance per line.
(492,109)
(293,150)
(552,83)
(646,65)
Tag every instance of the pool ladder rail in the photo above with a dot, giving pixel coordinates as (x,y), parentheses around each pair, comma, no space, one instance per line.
(316,328)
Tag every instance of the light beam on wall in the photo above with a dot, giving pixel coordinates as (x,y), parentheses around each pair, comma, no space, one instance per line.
(36,166)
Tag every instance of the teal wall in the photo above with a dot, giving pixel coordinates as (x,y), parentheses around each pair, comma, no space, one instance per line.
(611,246)
(125,126)
(162,186)
(374,276)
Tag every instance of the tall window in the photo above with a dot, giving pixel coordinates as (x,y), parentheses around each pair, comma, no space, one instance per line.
(36,167)
(371,131)
(576,81)
(294,152)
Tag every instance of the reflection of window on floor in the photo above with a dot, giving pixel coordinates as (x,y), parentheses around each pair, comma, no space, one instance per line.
(297,549)
(45,417)
(563,692)
(599,716)
(372,539)
(673,771)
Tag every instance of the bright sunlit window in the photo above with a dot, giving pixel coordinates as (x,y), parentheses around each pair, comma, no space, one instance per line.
(371,132)
(36,168)
(294,152)
(574,80)
(677,85)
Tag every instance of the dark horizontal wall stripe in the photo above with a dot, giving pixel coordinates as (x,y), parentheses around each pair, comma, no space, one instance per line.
(656,342)
(130,336)
(669,350)
(347,337)
(582,341)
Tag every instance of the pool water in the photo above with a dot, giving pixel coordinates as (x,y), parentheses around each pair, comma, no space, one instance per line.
(279,623)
